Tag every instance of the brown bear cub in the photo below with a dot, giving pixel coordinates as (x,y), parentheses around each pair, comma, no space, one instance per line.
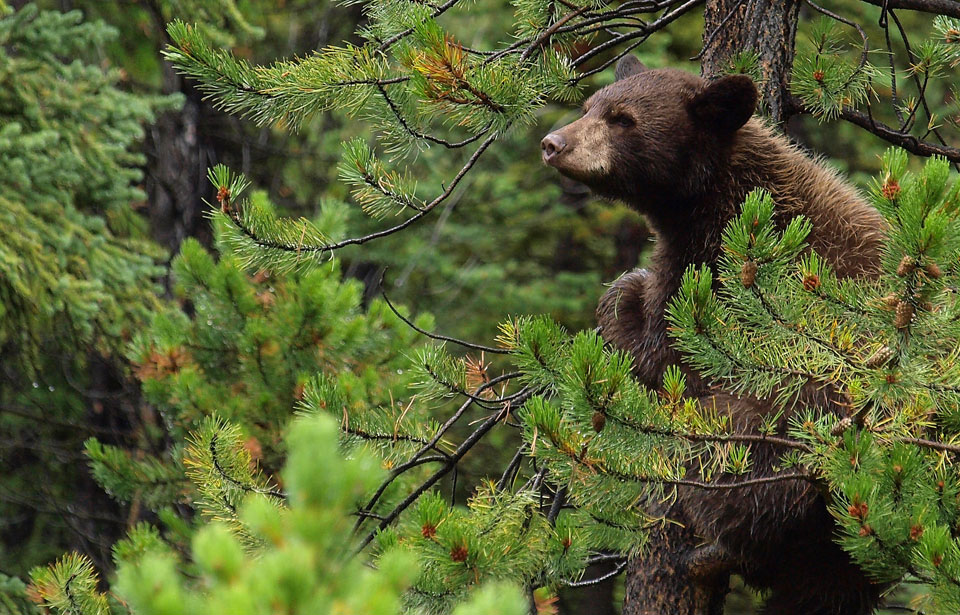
(685,152)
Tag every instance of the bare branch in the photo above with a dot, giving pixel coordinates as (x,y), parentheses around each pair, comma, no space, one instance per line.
(907,141)
(436,336)
(950,8)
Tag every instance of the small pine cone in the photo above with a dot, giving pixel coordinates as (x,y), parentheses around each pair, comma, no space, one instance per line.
(459,553)
(904,315)
(927,306)
(599,421)
(916,532)
(880,357)
(748,273)
(890,301)
(844,424)
(890,189)
(428,531)
(906,267)
(811,282)
(818,76)
(933,270)
(865,530)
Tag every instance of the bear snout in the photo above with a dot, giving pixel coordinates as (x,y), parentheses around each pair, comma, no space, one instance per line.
(551,146)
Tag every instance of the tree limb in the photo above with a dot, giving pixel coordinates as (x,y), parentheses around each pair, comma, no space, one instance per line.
(907,141)
(950,8)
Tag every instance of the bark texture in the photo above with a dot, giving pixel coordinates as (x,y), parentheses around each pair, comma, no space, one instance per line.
(668,580)
(767,27)
(179,152)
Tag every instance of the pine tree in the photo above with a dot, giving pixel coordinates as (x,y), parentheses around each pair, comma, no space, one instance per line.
(77,274)
(226,379)
(592,445)
(300,566)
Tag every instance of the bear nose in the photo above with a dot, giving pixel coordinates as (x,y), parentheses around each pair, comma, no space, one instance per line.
(551,146)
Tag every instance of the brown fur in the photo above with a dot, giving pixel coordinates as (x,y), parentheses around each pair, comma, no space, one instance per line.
(684,153)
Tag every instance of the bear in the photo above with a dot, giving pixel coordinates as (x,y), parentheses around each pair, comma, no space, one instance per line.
(685,151)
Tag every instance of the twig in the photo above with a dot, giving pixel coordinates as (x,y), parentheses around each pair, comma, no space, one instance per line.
(435,336)
(617,570)
(950,8)
(860,31)
(462,450)
(907,141)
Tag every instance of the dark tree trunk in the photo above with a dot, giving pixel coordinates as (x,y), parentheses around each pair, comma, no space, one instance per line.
(176,178)
(671,576)
(766,27)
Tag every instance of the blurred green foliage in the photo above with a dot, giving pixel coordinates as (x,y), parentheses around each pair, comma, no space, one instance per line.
(514,239)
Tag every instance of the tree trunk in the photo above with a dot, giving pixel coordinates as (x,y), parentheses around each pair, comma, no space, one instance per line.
(766,27)
(176,173)
(662,582)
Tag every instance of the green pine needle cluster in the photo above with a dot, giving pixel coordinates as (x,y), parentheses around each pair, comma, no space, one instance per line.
(299,565)
(227,379)
(826,79)
(74,261)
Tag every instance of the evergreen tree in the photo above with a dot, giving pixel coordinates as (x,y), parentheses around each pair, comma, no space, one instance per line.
(233,372)
(592,443)
(77,276)
(299,567)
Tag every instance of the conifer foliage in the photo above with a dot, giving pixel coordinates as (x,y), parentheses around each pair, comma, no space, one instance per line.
(77,271)
(73,258)
(226,379)
(595,452)
(300,566)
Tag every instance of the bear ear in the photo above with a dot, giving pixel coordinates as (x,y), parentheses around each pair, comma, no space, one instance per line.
(627,66)
(726,104)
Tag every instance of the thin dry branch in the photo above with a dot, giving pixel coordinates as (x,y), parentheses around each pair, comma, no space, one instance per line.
(950,8)
(905,140)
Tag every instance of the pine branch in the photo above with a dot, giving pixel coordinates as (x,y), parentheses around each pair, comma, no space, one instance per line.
(434,336)
(448,466)
(417,458)
(320,249)
(620,567)
(907,141)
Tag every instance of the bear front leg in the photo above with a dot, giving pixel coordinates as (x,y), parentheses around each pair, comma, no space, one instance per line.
(622,315)
(675,577)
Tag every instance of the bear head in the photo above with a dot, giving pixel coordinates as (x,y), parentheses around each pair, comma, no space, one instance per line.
(653,138)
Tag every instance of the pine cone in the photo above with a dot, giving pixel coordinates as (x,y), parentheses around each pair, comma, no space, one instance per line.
(904,315)
(890,189)
(811,282)
(933,270)
(748,273)
(890,301)
(844,424)
(599,421)
(907,265)
(880,357)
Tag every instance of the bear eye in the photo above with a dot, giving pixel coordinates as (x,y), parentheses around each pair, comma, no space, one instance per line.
(622,119)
